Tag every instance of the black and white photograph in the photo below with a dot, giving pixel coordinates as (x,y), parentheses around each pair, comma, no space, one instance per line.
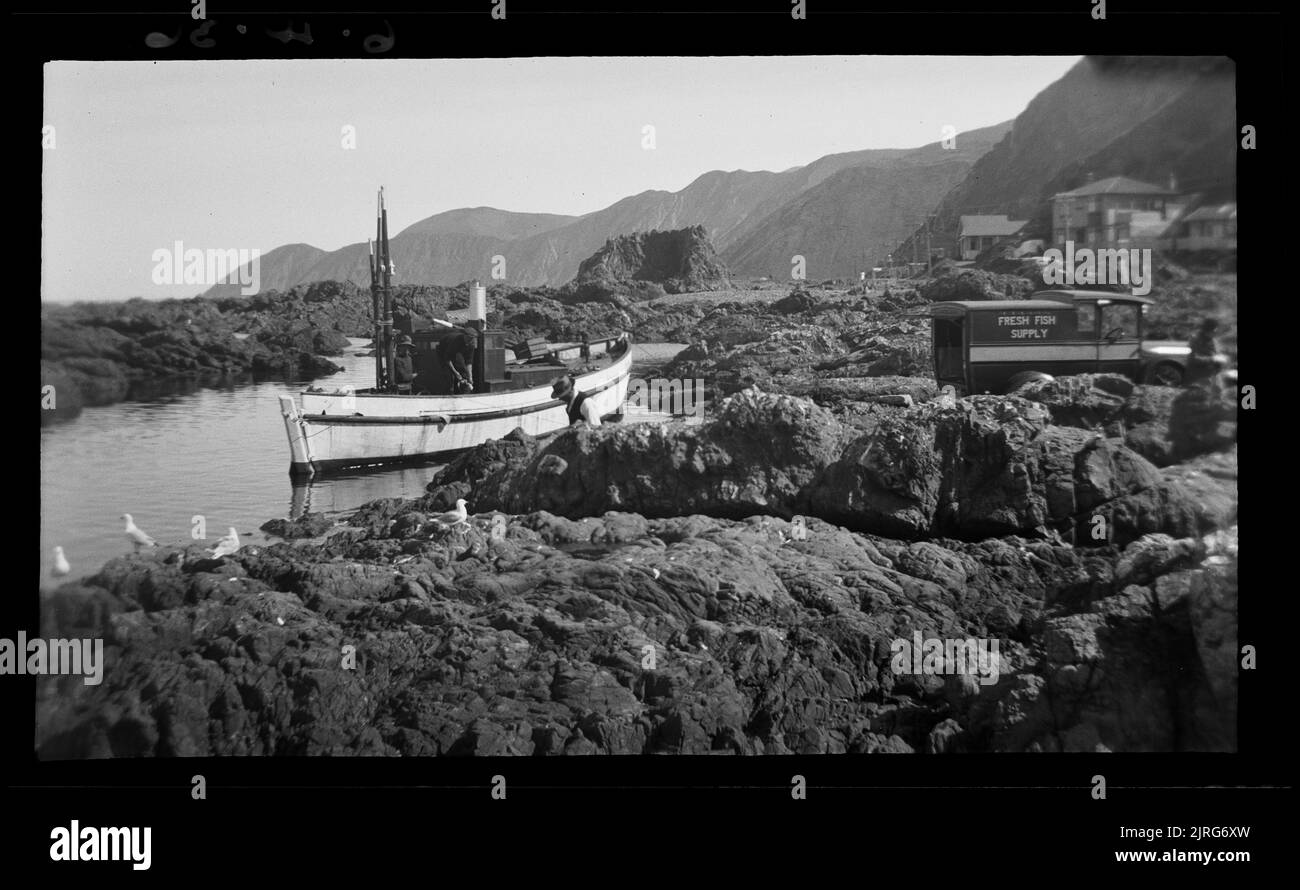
(638,405)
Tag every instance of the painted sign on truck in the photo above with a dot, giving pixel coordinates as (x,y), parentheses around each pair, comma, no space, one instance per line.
(1030,326)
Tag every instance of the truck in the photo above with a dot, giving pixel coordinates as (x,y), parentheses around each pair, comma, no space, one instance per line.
(996,346)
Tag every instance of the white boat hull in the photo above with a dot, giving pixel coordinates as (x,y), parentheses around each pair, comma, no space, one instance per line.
(340,430)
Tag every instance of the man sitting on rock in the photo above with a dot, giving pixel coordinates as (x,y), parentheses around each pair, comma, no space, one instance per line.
(579,407)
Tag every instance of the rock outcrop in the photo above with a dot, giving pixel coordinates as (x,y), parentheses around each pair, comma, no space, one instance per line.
(679,261)
(624,634)
(100,353)
(1163,424)
(987,466)
(757,453)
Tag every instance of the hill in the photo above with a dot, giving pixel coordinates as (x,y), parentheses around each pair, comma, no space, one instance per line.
(1141,117)
(547,249)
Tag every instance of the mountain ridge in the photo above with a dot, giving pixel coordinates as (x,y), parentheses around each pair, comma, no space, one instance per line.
(729,204)
(1140,116)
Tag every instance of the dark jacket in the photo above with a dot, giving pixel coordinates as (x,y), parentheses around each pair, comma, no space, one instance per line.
(403,367)
(1201,363)
(575,409)
(457,350)
(1203,345)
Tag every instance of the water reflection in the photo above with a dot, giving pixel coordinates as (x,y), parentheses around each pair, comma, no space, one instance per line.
(346,491)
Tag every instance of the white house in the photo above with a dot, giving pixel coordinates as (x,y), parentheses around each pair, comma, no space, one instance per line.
(978,233)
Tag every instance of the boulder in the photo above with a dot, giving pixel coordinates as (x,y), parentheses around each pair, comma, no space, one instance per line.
(1163,424)
(309,525)
(991,465)
(757,453)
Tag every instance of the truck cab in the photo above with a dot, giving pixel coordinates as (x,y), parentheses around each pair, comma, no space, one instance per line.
(994,346)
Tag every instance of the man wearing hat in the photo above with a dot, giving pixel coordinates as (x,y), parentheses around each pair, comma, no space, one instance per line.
(1203,363)
(404,364)
(577,404)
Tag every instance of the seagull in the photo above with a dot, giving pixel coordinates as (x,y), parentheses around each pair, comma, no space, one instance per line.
(948,397)
(61,566)
(135,536)
(453,517)
(227,545)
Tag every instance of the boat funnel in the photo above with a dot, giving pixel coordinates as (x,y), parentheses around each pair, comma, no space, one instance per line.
(477,302)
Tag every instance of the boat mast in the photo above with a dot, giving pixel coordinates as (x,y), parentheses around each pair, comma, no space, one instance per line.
(374,313)
(390,346)
(376,258)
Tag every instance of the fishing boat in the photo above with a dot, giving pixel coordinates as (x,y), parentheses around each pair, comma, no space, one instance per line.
(422,409)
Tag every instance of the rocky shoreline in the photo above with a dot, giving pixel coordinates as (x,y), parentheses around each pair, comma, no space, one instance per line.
(101,353)
(806,339)
(649,589)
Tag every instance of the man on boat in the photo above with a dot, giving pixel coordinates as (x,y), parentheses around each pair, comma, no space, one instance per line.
(456,353)
(579,407)
(404,364)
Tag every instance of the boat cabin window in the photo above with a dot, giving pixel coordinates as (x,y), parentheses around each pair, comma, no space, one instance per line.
(1119,321)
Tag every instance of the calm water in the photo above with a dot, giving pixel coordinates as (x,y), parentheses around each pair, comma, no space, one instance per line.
(219,453)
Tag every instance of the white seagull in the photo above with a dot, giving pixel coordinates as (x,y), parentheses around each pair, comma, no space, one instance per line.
(61,566)
(227,545)
(136,537)
(453,517)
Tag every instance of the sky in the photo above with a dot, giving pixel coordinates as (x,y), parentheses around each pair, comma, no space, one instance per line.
(251,154)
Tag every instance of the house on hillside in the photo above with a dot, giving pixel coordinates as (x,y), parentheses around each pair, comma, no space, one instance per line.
(1210,227)
(1114,212)
(979,233)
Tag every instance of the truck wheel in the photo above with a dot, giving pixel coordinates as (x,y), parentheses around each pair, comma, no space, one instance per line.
(1165,374)
(1024,377)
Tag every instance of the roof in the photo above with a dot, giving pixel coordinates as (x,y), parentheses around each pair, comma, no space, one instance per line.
(990,225)
(1116,185)
(1220,211)
(956,307)
(438,332)
(1043,299)
(1089,296)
